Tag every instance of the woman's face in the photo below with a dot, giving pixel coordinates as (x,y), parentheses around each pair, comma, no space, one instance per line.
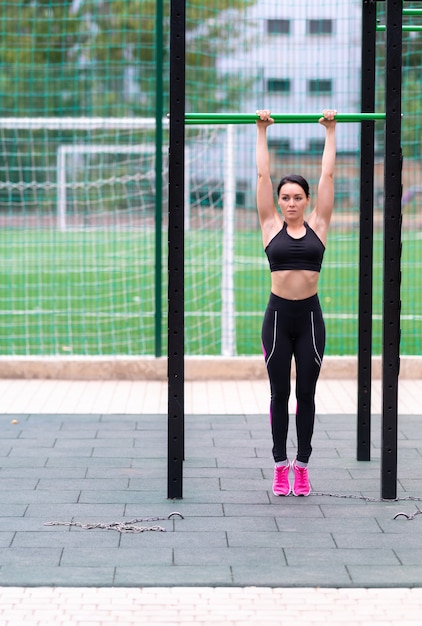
(292,200)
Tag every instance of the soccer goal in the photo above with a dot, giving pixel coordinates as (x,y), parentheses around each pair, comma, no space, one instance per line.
(75,160)
(78,206)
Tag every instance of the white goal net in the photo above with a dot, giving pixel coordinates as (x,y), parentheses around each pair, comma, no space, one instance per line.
(80,223)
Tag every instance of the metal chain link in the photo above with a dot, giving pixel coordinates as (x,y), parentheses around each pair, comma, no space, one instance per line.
(121,527)
(409,516)
(131,525)
(366,498)
(371,499)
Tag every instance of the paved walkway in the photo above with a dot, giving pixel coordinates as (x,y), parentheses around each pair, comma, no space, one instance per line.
(212,397)
(237,554)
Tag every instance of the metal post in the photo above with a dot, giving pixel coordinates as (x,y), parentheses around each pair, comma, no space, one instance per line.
(176,251)
(228,328)
(366,230)
(392,249)
(158,171)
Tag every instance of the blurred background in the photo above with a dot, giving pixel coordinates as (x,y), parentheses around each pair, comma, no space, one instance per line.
(83,171)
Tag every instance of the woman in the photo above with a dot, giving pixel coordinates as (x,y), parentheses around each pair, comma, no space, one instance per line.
(293,325)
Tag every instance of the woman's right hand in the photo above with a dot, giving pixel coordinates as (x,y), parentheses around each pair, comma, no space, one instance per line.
(265,118)
(328,118)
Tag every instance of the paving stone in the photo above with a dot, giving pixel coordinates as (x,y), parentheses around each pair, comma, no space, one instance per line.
(279,539)
(53,511)
(26,557)
(30,496)
(157,576)
(77,540)
(311,555)
(409,556)
(194,540)
(381,541)
(87,462)
(297,524)
(113,468)
(254,557)
(279,576)
(39,575)
(379,575)
(117,557)
(211,524)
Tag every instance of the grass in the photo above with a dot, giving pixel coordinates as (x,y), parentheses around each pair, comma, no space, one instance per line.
(92,293)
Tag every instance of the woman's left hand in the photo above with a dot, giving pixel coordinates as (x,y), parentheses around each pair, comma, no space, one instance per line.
(328,117)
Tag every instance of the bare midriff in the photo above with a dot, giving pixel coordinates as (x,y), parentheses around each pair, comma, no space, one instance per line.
(294,284)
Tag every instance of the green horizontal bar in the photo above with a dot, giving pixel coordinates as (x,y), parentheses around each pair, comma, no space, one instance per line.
(284,118)
(412,11)
(409,28)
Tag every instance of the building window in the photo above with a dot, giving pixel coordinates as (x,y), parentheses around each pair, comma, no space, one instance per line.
(278,85)
(320,27)
(278,27)
(279,146)
(320,87)
(316,145)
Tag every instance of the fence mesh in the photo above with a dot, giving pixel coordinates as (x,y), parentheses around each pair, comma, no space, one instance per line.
(78,202)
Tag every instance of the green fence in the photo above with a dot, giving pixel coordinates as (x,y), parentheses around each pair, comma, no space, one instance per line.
(80,85)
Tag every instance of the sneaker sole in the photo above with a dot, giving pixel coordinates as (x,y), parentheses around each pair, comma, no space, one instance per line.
(282,494)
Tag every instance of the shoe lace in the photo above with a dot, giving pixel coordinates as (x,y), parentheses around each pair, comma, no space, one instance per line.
(302,474)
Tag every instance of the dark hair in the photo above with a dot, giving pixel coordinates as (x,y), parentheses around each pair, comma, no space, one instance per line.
(294,178)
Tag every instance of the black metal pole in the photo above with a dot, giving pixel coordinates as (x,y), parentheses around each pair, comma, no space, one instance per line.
(366,231)
(176,255)
(158,172)
(392,249)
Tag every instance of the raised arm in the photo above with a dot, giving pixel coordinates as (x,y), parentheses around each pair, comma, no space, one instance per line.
(267,212)
(321,215)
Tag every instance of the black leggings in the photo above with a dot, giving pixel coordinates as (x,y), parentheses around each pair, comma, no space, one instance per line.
(293,328)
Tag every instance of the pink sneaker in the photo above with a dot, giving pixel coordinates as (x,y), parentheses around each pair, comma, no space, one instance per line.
(281,484)
(301,486)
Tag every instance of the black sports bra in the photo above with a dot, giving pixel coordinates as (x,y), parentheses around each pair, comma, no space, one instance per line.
(287,253)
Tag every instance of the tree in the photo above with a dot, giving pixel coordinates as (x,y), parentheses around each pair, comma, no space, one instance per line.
(97,57)
(411,87)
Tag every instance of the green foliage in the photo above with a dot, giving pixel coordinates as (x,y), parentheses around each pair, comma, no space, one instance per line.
(412,111)
(411,81)
(98,57)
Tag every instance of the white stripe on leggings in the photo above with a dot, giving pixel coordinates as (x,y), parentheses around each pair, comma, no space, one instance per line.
(318,358)
(274,337)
